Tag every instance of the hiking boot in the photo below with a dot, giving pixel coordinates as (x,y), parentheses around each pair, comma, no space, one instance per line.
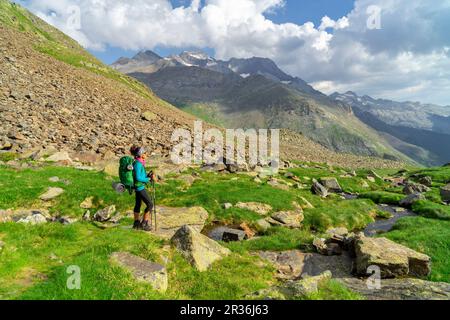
(146,226)
(137,225)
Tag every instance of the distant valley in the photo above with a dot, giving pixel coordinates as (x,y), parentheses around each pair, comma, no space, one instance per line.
(255,93)
(421,131)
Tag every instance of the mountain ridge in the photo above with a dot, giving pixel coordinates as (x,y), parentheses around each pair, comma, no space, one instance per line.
(424,126)
(254,92)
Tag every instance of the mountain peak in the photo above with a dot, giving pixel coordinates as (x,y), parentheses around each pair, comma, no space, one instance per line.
(258,65)
(197,55)
(147,56)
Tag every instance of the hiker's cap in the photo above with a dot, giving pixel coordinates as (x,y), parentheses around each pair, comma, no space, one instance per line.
(140,151)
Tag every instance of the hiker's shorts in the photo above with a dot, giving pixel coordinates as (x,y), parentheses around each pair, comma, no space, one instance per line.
(143,196)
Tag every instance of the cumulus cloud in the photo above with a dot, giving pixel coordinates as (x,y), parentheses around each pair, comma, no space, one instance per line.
(407,58)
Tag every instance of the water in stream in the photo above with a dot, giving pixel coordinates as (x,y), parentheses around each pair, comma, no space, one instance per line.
(386,225)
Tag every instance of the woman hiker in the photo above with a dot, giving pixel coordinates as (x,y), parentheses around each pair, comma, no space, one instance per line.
(141,180)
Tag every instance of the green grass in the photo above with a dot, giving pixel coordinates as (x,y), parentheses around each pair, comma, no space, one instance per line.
(7,156)
(439,174)
(214,190)
(432,210)
(333,290)
(352,214)
(429,236)
(34,182)
(276,239)
(383,197)
(28,272)
(34,260)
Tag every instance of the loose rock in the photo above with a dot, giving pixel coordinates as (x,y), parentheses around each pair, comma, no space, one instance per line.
(198,249)
(259,208)
(411,199)
(62,157)
(393,259)
(143,270)
(331,184)
(319,189)
(262,225)
(426,181)
(34,219)
(291,219)
(87,203)
(105,214)
(51,194)
(445,193)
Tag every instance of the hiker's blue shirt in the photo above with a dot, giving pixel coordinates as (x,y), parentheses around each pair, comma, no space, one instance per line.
(140,176)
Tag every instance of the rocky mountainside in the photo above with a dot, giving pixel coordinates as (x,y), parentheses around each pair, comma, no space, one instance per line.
(255,93)
(422,131)
(55,94)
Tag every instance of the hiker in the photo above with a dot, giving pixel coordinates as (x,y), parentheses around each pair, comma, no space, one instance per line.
(141,179)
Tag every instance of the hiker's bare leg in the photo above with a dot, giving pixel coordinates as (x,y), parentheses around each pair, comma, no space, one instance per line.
(147,216)
(137,216)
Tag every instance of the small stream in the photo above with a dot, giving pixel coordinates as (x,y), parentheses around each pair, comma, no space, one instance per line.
(386,225)
(383,225)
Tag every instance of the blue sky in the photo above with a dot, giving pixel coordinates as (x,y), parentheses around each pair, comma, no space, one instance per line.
(294,11)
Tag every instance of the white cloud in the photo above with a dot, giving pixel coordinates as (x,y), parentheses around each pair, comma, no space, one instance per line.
(408,58)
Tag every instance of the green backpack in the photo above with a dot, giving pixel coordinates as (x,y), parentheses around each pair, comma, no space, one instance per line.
(126,173)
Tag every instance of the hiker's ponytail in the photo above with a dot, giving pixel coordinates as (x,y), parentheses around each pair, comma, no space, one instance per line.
(133,150)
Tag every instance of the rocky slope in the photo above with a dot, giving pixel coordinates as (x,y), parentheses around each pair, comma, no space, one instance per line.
(53,93)
(421,131)
(243,93)
(298,147)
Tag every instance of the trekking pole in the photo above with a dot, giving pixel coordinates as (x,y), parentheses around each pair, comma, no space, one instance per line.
(154,204)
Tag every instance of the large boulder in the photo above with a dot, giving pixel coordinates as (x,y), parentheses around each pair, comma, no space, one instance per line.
(34,219)
(319,189)
(394,260)
(262,225)
(411,199)
(170,220)
(307,286)
(289,264)
(400,289)
(259,208)
(413,188)
(290,219)
(60,157)
(51,194)
(292,290)
(426,181)
(198,249)
(445,193)
(87,157)
(331,184)
(143,270)
(227,234)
